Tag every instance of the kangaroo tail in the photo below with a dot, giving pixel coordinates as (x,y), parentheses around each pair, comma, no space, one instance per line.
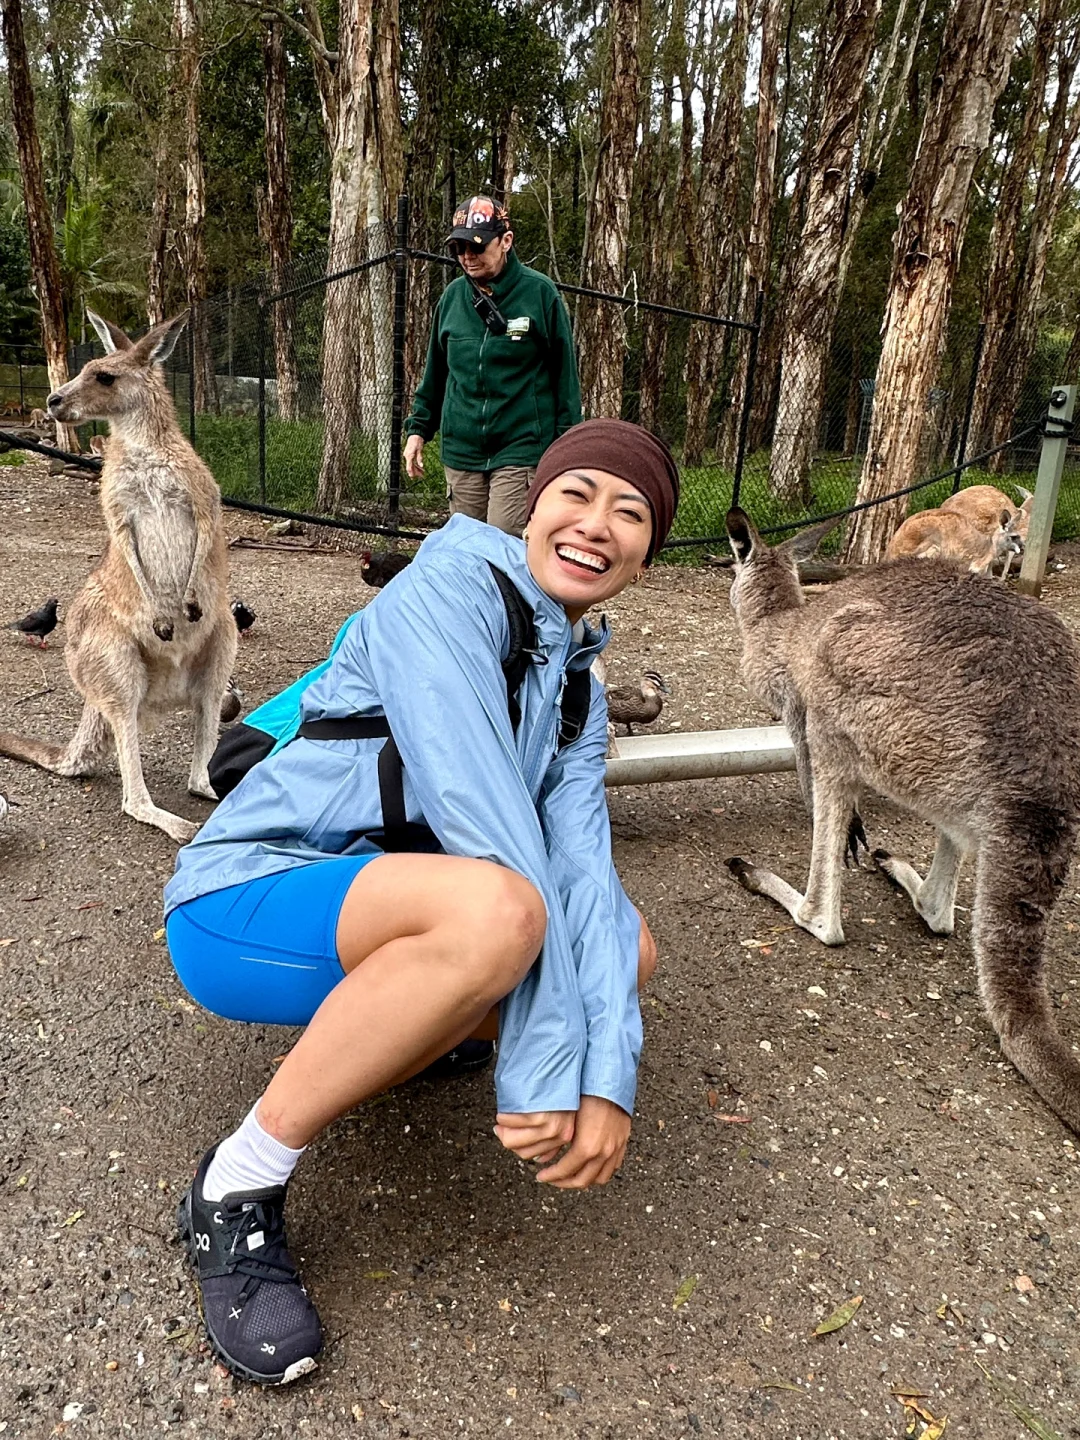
(1017,883)
(77,757)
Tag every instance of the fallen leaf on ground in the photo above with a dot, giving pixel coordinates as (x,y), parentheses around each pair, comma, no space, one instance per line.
(75,1215)
(159,934)
(378,1274)
(754,944)
(1024,1284)
(357,1413)
(733,1119)
(778,1385)
(840,1316)
(685,1290)
(8,940)
(1020,1408)
(505,1305)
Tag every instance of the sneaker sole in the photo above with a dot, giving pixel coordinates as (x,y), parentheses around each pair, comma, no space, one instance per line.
(292,1372)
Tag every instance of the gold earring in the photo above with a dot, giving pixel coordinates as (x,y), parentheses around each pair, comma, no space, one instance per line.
(525,534)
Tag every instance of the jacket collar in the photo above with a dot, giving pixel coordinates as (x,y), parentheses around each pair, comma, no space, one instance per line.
(507,275)
(553,629)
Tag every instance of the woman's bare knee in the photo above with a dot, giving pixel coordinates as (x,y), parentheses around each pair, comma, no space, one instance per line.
(516,919)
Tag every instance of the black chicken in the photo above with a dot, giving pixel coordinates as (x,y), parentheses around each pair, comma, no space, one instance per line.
(243,615)
(38,623)
(380,566)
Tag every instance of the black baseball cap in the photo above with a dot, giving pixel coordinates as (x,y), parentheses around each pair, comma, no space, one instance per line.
(479,221)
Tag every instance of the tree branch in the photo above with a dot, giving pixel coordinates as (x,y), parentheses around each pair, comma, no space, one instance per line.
(274,12)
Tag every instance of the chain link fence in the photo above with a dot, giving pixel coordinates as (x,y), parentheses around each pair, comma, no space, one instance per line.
(295,392)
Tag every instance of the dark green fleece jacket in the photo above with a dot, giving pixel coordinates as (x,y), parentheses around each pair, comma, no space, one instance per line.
(498,399)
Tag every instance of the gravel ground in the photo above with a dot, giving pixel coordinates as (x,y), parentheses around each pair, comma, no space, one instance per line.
(813,1125)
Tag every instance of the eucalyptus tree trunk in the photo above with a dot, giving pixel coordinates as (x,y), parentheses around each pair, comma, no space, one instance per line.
(711,233)
(659,219)
(156,273)
(600,326)
(364,137)
(755,272)
(810,303)
(1058,143)
(972,69)
(193,232)
(425,230)
(43,260)
(1010,215)
(767,383)
(277,220)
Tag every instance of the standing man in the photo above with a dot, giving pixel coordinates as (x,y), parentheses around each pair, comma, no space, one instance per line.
(500,382)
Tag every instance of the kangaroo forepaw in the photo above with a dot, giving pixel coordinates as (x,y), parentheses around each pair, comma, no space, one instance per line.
(856,836)
(193,610)
(163,628)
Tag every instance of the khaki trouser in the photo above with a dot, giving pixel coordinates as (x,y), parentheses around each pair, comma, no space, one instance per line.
(497,496)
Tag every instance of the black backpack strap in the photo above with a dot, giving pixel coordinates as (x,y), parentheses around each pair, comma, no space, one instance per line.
(522,652)
(576,697)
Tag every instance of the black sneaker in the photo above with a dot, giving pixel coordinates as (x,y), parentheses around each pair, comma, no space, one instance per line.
(469,1055)
(257,1313)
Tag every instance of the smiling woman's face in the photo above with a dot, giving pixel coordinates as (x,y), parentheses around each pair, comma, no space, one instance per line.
(588,536)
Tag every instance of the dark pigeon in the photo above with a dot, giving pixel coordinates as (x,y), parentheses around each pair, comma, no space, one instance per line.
(38,623)
(378,567)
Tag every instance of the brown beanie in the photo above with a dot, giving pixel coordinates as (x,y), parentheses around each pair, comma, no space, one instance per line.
(622,449)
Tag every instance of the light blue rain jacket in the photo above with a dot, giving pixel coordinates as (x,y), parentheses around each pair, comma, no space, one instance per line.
(426,653)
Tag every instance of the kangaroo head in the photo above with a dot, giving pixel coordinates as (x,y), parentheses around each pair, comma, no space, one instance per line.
(1009,537)
(767,577)
(125,382)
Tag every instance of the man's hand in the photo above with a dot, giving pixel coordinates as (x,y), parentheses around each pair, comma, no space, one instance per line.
(414,456)
(536,1137)
(597,1149)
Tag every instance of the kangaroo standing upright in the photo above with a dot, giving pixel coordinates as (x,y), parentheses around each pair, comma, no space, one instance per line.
(957,700)
(151,629)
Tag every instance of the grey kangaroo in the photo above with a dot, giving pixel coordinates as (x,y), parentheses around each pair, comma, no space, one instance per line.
(960,702)
(151,629)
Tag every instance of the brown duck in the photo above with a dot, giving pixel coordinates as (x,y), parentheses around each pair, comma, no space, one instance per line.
(639,704)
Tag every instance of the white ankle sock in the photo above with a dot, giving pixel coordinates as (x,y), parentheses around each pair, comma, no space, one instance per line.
(249,1159)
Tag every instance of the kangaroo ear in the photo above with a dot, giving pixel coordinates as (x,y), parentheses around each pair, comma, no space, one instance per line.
(110,335)
(741,533)
(157,344)
(802,545)
(1007,518)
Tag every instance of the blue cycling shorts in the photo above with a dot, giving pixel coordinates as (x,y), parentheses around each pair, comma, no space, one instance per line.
(265,951)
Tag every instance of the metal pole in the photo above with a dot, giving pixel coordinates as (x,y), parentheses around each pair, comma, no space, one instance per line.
(262,398)
(1056,432)
(397,408)
(22,399)
(748,398)
(976,362)
(192,322)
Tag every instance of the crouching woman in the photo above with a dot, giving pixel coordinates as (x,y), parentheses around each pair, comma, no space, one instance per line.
(286,910)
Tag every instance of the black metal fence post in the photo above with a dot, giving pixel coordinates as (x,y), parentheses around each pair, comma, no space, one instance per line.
(192,322)
(961,449)
(397,409)
(748,398)
(261,328)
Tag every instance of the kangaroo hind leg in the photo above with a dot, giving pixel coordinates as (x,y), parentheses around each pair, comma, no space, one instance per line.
(818,911)
(935,897)
(137,802)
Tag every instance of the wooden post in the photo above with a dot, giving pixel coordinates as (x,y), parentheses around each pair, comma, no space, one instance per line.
(1051,464)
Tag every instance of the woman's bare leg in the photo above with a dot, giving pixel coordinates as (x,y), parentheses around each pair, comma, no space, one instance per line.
(429,944)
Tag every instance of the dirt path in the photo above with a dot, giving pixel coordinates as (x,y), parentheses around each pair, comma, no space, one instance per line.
(812,1125)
